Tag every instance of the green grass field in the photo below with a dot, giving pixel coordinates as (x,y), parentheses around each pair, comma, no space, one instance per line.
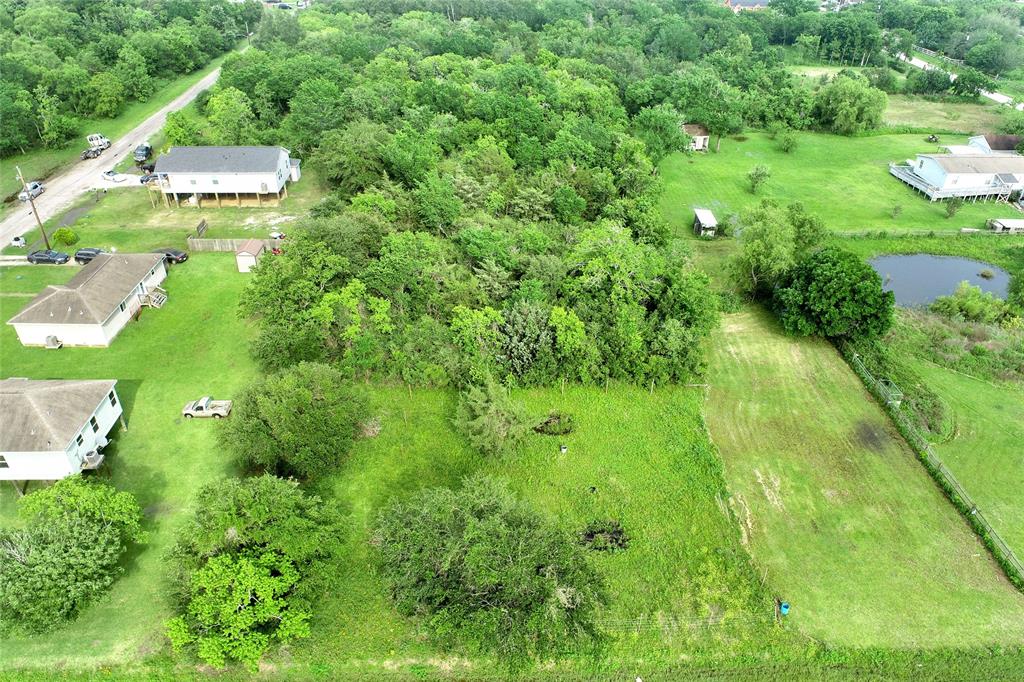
(195,345)
(835,509)
(29,280)
(38,164)
(987,444)
(978,118)
(844,180)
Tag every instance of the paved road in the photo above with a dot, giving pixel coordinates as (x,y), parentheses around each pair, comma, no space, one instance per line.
(64,187)
(994,96)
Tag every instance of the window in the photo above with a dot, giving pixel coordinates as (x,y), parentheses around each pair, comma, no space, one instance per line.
(192,181)
(113,399)
(121,306)
(3,463)
(95,424)
(79,439)
(216,181)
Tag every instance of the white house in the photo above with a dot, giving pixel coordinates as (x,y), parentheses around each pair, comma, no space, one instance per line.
(198,173)
(986,145)
(95,304)
(52,429)
(249,253)
(943,176)
(700,138)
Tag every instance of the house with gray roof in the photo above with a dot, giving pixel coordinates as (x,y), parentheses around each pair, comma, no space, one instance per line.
(232,174)
(95,304)
(53,429)
(967,176)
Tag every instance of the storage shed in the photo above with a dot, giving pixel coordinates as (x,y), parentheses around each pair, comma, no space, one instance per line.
(1008,225)
(704,222)
(700,138)
(249,253)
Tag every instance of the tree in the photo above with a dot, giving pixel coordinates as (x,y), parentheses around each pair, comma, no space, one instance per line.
(707,99)
(108,94)
(300,422)
(490,419)
(953,206)
(57,126)
(767,245)
(512,583)
(315,108)
(131,70)
(970,82)
(351,156)
(757,176)
(66,554)
(181,130)
(661,130)
(248,566)
(833,293)
(437,206)
(849,105)
(231,118)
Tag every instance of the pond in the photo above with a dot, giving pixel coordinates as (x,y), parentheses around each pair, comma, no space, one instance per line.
(918,279)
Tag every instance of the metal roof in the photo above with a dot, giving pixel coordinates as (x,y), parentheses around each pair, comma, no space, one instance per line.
(253,247)
(706,217)
(220,160)
(43,416)
(982,163)
(93,294)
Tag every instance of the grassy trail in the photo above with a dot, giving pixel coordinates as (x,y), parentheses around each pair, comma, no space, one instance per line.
(835,508)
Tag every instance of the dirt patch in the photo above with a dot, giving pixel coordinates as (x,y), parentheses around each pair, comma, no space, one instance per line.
(72,216)
(370,428)
(870,437)
(771,485)
(742,510)
(269,219)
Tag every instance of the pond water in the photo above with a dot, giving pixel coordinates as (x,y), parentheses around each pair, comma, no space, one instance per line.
(920,278)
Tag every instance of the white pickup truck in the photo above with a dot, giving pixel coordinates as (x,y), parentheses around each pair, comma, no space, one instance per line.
(207,407)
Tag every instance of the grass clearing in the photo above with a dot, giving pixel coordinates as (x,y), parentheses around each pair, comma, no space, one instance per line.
(194,345)
(978,118)
(844,520)
(844,180)
(29,280)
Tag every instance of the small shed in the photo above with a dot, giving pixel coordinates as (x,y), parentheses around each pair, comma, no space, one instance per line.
(700,138)
(704,222)
(249,253)
(1008,225)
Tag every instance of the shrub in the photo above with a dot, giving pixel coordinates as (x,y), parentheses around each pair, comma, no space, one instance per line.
(300,422)
(556,424)
(757,176)
(788,141)
(247,567)
(67,553)
(490,419)
(953,206)
(604,536)
(512,583)
(970,303)
(65,236)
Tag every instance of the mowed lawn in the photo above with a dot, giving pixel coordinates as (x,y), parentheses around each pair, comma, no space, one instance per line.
(684,587)
(843,180)
(195,345)
(837,512)
(986,452)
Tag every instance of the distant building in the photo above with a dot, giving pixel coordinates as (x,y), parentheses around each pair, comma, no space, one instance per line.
(746,5)
(95,304)
(52,429)
(196,174)
(700,138)
(998,145)
(945,176)
(704,222)
(249,253)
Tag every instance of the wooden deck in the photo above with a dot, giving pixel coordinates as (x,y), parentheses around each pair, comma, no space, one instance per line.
(905,174)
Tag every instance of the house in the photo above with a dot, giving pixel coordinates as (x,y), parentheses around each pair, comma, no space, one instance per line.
(249,253)
(52,429)
(699,136)
(986,145)
(704,222)
(944,176)
(196,174)
(1008,225)
(95,304)
(746,5)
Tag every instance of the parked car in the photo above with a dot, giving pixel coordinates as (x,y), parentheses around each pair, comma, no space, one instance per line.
(143,152)
(277,235)
(148,178)
(173,255)
(48,256)
(113,176)
(19,242)
(283,5)
(206,407)
(147,167)
(35,188)
(83,256)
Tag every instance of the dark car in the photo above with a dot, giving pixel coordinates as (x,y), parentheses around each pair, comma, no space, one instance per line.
(173,255)
(148,178)
(49,256)
(83,256)
(142,152)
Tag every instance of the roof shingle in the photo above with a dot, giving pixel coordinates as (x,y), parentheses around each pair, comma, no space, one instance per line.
(43,416)
(220,160)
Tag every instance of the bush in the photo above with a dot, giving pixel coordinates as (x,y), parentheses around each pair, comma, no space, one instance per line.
(556,424)
(604,536)
(788,141)
(65,236)
(490,419)
(970,303)
(301,422)
(953,206)
(67,553)
(757,176)
(512,583)
(261,538)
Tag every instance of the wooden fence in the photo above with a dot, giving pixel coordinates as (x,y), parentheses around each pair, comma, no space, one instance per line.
(223,244)
(890,396)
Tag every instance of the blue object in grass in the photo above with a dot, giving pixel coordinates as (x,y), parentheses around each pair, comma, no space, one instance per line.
(784,608)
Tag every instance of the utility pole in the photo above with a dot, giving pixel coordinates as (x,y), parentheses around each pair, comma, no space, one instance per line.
(248,39)
(32,202)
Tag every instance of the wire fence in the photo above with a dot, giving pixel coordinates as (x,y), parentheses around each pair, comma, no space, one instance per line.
(890,395)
